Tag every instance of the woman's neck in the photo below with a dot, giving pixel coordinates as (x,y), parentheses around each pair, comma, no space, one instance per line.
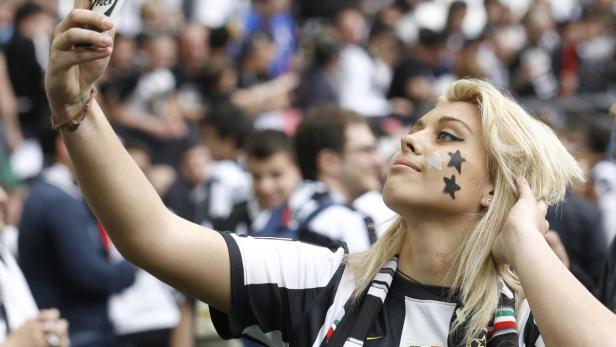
(429,248)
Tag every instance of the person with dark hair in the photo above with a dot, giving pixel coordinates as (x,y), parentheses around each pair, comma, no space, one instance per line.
(270,160)
(26,58)
(225,129)
(416,77)
(317,85)
(600,133)
(144,104)
(336,153)
(64,252)
(453,25)
(257,53)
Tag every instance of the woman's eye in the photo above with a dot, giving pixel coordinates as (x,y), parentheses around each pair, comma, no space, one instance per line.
(445,136)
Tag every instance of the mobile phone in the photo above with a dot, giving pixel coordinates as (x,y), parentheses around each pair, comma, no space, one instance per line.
(110,8)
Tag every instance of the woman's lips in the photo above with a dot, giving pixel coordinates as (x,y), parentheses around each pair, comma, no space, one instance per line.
(407,163)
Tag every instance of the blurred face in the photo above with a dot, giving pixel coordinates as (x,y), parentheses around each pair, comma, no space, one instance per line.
(360,164)
(441,166)
(161,52)
(273,179)
(124,51)
(195,163)
(220,148)
(193,44)
(351,26)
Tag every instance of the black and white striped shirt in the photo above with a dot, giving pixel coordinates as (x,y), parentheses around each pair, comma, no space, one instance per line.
(288,293)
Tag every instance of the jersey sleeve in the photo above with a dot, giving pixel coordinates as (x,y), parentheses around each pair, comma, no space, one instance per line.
(275,285)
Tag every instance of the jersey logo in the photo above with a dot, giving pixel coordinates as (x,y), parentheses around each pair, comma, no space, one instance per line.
(481,342)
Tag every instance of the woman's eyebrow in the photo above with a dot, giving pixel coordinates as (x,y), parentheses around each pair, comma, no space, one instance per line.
(446,119)
(416,125)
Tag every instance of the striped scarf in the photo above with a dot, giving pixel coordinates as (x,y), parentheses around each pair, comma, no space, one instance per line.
(352,332)
(353,323)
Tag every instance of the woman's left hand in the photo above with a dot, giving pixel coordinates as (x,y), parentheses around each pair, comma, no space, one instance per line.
(73,70)
(525,223)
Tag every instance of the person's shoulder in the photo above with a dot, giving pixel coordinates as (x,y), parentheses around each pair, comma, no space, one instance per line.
(43,191)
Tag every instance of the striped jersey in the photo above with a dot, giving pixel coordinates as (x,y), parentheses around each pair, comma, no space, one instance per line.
(289,293)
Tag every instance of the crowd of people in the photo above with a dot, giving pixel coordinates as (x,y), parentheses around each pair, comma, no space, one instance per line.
(272,118)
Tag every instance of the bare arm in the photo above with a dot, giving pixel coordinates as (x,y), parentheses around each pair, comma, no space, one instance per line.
(187,256)
(566,313)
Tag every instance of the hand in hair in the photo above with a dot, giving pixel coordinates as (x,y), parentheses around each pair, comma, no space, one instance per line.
(525,222)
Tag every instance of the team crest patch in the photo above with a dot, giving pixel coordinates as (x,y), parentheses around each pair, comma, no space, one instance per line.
(480,342)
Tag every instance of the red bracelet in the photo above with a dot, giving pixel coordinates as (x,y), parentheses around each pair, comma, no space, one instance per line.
(73,123)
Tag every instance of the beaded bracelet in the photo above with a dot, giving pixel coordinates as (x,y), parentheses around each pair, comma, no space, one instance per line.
(73,123)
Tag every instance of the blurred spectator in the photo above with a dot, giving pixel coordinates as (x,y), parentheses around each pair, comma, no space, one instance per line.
(596,52)
(607,285)
(26,58)
(22,324)
(256,56)
(566,60)
(532,69)
(193,54)
(273,17)
(225,130)
(453,25)
(10,130)
(161,16)
(317,84)
(64,253)
(578,223)
(7,12)
(271,162)
(336,152)
(358,73)
(144,105)
(196,195)
(386,51)
(604,174)
(420,77)
(122,63)
(467,62)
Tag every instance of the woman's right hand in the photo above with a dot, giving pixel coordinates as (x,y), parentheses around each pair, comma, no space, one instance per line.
(72,70)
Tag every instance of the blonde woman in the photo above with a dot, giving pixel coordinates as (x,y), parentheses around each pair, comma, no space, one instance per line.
(431,280)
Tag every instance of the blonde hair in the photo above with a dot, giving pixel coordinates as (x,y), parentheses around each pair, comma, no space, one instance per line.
(517,145)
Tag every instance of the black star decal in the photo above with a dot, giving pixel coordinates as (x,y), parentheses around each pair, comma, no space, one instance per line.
(456,161)
(450,186)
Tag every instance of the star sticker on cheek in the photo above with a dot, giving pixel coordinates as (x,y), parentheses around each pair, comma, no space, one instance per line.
(450,186)
(456,161)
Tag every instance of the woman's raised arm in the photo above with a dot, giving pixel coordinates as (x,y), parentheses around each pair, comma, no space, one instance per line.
(187,256)
(566,313)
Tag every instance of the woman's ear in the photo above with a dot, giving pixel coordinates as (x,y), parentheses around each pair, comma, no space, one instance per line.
(486,197)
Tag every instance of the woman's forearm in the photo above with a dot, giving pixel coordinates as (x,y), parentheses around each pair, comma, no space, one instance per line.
(566,313)
(118,192)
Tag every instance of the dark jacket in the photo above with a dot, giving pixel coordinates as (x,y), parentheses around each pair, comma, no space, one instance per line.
(65,262)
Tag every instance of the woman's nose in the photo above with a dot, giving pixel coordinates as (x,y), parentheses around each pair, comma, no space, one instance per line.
(409,143)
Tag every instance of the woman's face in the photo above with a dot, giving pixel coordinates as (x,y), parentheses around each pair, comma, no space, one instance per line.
(441,167)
